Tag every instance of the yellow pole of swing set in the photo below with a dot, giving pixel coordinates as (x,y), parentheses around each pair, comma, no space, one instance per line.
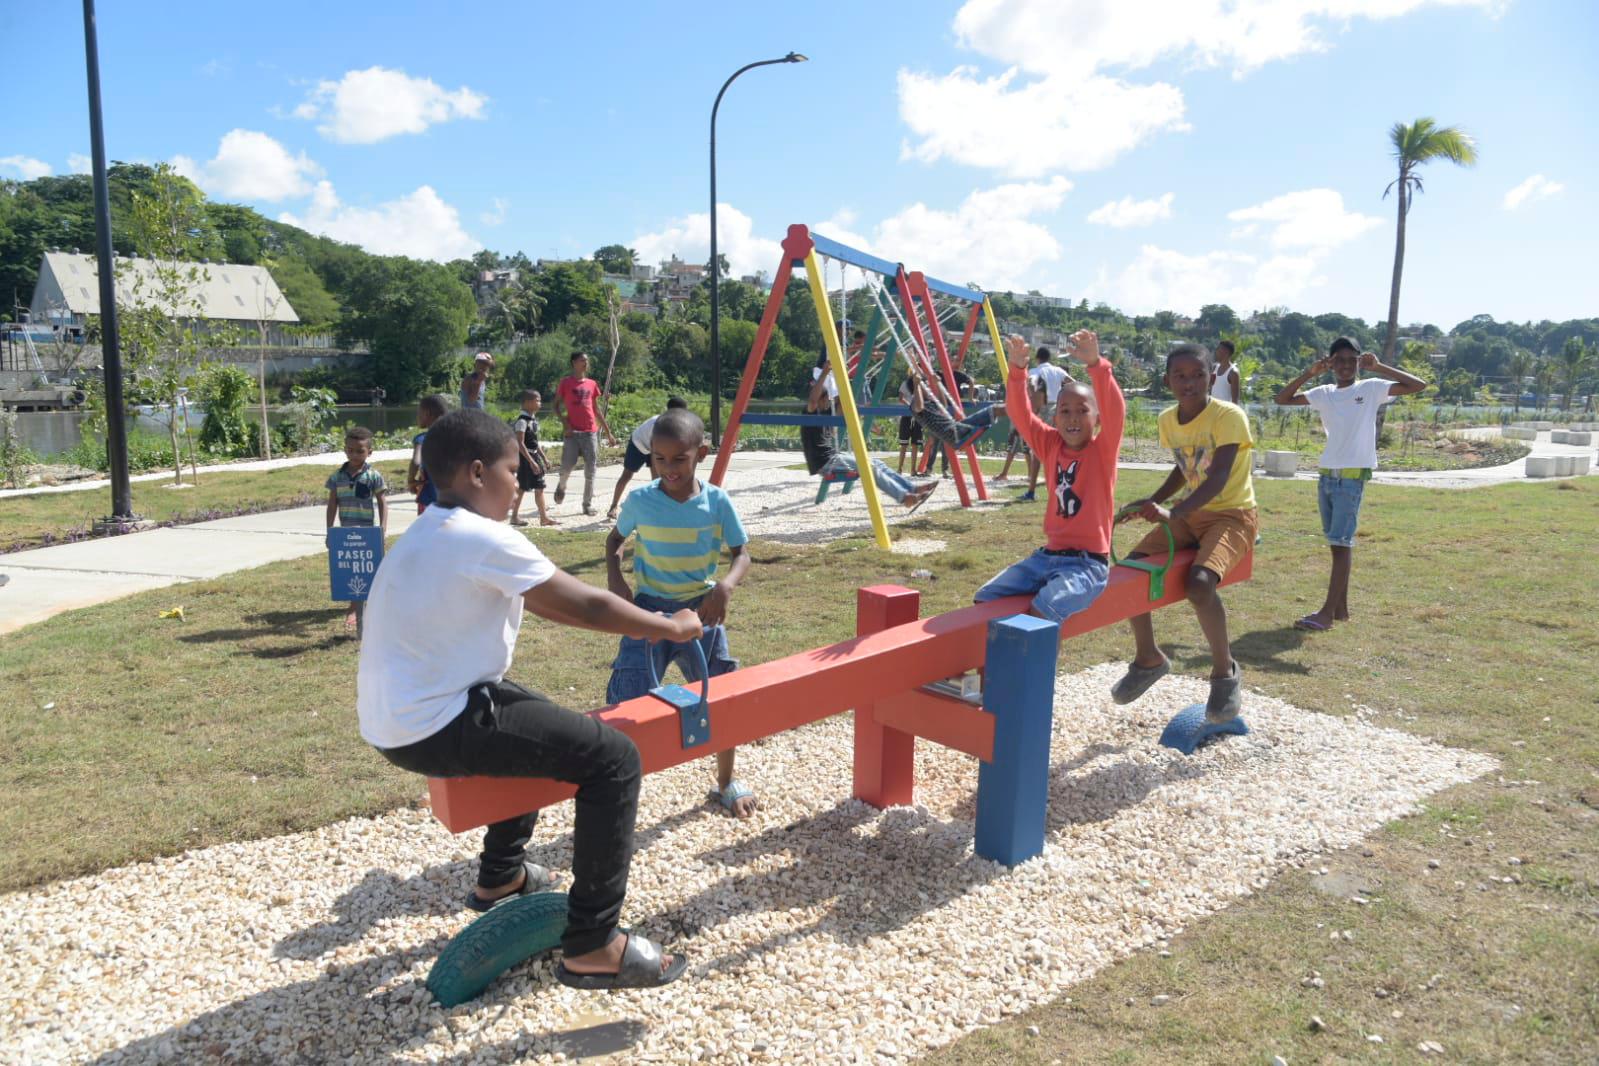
(846,399)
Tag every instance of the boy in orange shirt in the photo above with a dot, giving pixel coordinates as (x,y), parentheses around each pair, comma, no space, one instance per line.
(1079,467)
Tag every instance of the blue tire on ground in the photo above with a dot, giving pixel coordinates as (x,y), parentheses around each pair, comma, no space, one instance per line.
(1188,729)
(512,932)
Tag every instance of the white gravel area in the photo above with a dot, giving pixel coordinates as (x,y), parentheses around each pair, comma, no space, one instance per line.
(821,930)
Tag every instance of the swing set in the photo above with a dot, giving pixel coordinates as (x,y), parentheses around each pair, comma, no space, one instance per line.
(907,323)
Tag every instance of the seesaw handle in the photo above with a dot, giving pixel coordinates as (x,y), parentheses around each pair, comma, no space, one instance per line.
(1157,574)
(699,658)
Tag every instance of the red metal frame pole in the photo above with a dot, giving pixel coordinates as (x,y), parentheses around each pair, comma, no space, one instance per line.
(885,758)
(966,338)
(909,290)
(930,308)
(796,246)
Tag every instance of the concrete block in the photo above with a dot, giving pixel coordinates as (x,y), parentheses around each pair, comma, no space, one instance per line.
(1282,464)
(1565,465)
(1582,440)
(1540,466)
(1518,433)
(1557,436)
(1582,463)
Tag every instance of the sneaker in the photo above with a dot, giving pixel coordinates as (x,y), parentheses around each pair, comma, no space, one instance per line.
(1226,697)
(1028,495)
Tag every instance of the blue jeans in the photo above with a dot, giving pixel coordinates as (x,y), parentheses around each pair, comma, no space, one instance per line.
(630,672)
(1061,585)
(1339,498)
(893,485)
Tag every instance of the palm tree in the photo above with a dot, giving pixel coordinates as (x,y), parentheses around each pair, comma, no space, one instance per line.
(1574,358)
(1521,364)
(1420,142)
(1543,382)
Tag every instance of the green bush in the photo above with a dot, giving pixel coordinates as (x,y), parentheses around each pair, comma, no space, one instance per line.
(15,457)
(225,391)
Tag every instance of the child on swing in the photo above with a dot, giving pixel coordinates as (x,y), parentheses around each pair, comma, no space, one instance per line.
(1070,571)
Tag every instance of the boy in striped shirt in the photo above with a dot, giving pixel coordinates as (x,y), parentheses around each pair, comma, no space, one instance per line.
(680,526)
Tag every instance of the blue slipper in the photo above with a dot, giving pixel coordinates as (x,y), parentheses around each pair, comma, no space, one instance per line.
(735,791)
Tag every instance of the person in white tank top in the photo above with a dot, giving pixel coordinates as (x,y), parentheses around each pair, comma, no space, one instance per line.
(1226,385)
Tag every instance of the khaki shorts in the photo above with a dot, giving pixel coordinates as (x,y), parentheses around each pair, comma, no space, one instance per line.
(1223,537)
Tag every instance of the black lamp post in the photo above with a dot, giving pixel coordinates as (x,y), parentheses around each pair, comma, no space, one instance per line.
(716,349)
(116,426)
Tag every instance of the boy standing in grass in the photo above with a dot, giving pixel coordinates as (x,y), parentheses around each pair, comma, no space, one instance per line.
(1211,442)
(1225,383)
(576,404)
(681,525)
(638,452)
(433,698)
(356,492)
(428,411)
(1069,572)
(1348,409)
(534,463)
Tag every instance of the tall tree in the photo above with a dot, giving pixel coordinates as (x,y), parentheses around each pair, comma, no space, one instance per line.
(1575,359)
(615,258)
(1520,365)
(1414,146)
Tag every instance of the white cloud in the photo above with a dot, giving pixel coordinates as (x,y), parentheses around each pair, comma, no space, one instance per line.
(1312,219)
(1127,212)
(25,166)
(1056,107)
(1052,123)
(1278,258)
(79,163)
(496,213)
(366,106)
(1534,188)
(1160,279)
(992,238)
(250,166)
(419,224)
(689,238)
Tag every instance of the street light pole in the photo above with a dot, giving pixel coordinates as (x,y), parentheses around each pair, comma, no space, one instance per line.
(716,350)
(116,426)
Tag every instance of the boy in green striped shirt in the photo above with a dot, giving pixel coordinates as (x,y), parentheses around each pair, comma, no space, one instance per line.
(680,526)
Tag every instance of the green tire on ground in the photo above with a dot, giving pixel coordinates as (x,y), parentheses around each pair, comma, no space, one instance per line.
(513,931)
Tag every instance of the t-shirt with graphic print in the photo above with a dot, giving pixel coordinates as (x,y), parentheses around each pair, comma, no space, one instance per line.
(1082,482)
(679,543)
(358,494)
(1194,445)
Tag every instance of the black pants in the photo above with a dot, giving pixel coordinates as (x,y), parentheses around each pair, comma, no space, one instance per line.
(507,731)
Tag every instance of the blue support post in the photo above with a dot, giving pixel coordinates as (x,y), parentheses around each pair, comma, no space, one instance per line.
(1019,690)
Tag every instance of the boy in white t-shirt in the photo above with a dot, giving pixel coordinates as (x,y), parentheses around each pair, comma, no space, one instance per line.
(638,453)
(431,694)
(1348,409)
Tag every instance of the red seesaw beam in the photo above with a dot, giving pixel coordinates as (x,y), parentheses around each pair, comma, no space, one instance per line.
(876,668)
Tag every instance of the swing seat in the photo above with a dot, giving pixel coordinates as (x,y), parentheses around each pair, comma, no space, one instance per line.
(845,478)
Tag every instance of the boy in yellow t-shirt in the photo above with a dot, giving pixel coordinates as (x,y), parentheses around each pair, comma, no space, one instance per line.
(1211,442)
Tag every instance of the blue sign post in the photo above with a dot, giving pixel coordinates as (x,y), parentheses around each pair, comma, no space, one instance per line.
(354,553)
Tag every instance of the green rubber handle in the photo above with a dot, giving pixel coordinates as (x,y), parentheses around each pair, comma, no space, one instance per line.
(1157,574)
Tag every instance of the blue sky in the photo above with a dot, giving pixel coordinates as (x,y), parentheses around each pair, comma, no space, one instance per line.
(1155,155)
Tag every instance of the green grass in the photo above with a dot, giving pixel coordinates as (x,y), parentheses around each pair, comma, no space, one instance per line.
(1473,613)
(40,518)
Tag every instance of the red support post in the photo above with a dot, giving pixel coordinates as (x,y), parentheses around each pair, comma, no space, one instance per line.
(796,246)
(919,280)
(885,758)
(966,338)
(908,294)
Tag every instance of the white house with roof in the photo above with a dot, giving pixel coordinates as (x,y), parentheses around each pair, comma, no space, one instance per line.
(68,291)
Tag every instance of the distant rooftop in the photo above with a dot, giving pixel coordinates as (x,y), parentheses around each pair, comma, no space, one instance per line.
(226,291)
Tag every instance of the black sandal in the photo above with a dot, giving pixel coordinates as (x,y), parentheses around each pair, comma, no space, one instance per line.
(640,968)
(537,879)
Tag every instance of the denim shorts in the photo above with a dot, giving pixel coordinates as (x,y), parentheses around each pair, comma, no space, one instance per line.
(630,672)
(1339,498)
(1061,585)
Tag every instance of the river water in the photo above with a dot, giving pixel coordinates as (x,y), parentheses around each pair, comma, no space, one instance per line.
(47,433)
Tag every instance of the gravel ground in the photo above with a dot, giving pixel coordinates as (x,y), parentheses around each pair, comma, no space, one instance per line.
(820,931)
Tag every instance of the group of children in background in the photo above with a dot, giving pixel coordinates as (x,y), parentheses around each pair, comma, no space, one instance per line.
(434,700)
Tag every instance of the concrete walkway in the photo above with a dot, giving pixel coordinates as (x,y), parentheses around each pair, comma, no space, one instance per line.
(333,458)
(46,581)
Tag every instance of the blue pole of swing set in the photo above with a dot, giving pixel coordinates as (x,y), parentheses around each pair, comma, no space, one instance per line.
(716,350)
(116,432)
